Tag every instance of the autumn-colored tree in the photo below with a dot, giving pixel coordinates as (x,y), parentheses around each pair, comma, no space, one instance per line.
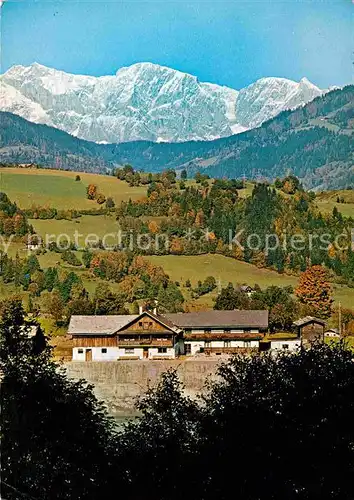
(258,259)
(153,227)
(238,253)
(55,306)
(331,251)
(91,191)
(199,218)
(176,246)
(315,291)
(132,287)
(100,198)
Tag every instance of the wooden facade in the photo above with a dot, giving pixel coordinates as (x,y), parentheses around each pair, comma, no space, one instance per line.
(310,329)
(145,331)
(91,341)
(145,324)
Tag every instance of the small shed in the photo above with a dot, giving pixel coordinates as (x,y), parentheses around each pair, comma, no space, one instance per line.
(332,332)
(247,290)
(309,329)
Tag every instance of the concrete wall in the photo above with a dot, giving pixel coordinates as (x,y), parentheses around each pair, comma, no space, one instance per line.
(118,383)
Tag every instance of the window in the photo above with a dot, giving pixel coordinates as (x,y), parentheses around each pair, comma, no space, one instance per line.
(188,348)
(162,350)
(227,343)
(129,350)
(227,330)
(150,324)
(80,351)
(247,343)
(140,323)
(145,325)
(207,344)
(104,350)
(285,346)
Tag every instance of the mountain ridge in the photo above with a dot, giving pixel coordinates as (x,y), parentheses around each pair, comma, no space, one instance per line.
(314,142)
(145,101)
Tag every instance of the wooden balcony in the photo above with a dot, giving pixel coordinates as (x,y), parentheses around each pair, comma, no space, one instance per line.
(223,336)
(144,342)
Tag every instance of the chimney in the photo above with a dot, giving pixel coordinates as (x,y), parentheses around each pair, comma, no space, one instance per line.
(140,309)
(155,310)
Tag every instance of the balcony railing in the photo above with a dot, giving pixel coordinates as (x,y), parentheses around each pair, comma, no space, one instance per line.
(223,336)
(145,342)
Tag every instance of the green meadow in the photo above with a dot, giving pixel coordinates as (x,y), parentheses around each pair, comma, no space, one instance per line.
(225,270)
(85,225)
(59,189)
(327,201)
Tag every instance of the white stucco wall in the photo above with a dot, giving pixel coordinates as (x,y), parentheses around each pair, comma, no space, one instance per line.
(133,352)
(196,345)
(78,356)
(110,355)
(115,353)
(154,352)
(278,344)
(97,354)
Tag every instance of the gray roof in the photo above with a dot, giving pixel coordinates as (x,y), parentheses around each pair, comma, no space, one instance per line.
(308,319)
(99,325)
(334,330)
(108,325)
(228,319)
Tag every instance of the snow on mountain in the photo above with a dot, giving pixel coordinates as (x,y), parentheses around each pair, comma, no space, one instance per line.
(267,97)
(145,101)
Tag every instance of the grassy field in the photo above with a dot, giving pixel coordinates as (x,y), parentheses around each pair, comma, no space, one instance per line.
(58,188)
(198,267)
(225,269)
(326,202)
(85,225)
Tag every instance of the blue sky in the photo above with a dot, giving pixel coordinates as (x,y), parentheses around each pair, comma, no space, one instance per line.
(231,43)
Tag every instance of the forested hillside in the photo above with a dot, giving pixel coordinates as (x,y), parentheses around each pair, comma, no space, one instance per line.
(314,142)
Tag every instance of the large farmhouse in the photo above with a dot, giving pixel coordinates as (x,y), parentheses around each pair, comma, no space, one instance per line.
(221,331)
(153,336)
(138,336)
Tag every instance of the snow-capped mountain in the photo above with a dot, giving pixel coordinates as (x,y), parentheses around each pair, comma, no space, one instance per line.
(267,97)
(145,101)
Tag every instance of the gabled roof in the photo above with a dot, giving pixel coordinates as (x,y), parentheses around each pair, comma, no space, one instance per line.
(157,317)
(109,325)
(223,319)
(333,330)
(308,319)
(99,325)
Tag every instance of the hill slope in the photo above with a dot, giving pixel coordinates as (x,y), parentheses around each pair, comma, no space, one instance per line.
(314,142)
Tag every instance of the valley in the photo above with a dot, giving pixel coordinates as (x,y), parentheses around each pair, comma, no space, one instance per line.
(59,189)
